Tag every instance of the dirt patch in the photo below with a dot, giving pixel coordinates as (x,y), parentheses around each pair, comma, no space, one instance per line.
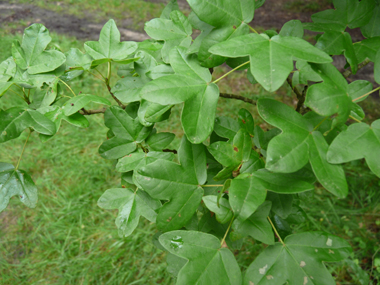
(61,23)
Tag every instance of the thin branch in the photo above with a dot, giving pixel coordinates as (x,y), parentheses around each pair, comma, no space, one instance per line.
(348,71)
(238,97)
(170,150)
(92,112)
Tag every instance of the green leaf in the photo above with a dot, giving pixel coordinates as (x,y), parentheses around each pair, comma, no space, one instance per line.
(206,259)
(128,89)
(75,59)
(298,261)
(222,211)
(198,114)
(171,6)
(376,71)
(226,127)
(178,183)
(372,29)
(271,58)
(367,49)
(245,196)
(159,141)
(175,32)
(281,204)
(298,144)
(331,177)
(358,88)
(7,69)
(246,121)
(128,132)
(130,205)
(189,84)
(31,54)
(15,120)
(56,115)
(150,113)
(16,182)
(137,160)
(257,225)
(78,102)
(217,14)
(358,141)
(109,45)
(292,28)
(331,96)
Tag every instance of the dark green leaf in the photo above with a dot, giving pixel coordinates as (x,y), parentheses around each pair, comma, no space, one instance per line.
(137,160)
(166,180)
(257,225)
(222,211)
(160,140)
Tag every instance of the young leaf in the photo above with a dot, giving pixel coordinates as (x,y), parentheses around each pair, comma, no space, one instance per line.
(271,58)
(16,182)
(78,102)
(109,45)
(31,54)
(180,184)
(7,69)
(226,127)
(358,141)
(206,259)
(130,205)
(298,261)
(293,28)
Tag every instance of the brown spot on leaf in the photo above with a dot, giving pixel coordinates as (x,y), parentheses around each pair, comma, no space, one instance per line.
(236,149)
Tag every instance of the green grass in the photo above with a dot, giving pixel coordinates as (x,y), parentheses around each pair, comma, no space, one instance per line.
(68,239)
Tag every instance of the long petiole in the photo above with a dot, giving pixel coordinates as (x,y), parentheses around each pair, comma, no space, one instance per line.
(22,152)
(252,29)
(217,185)
(275,230)
(99,73)
(224,75)
(16,94)
(354,119)
(67,86)
(228,229)
(100,78)
(374,90)
(320,123)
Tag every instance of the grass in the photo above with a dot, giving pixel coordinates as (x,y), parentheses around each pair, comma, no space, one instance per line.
(68,239)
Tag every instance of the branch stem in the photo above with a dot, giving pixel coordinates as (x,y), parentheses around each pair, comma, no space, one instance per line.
(224,75)
(22,152)
(238,97)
